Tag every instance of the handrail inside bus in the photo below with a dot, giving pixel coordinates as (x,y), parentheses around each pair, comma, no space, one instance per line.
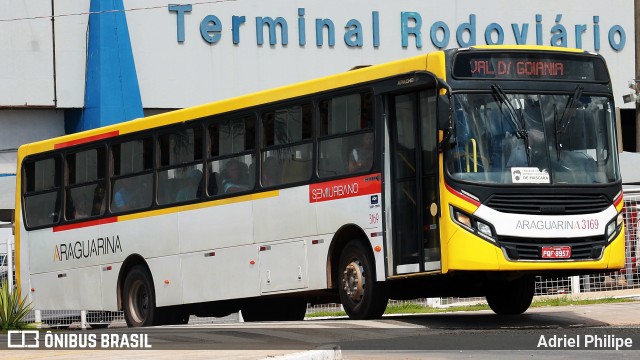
(475,154)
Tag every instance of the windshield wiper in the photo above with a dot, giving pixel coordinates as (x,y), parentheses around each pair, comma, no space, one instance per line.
(516,117)
(567,116)
(569,111)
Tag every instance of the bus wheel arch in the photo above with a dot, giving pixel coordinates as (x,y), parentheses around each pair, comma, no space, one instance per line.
(345,234)
(353,273)
(137,295)
(130,262)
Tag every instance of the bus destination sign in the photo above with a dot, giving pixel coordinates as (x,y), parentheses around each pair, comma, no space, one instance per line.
(527,66)
(510,68)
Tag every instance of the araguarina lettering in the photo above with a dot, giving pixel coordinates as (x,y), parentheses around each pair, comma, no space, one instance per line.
(87,248)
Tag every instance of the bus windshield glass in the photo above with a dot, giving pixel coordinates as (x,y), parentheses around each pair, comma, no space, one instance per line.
(506,138)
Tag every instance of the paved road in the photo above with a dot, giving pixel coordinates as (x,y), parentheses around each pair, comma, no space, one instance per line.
(449,335)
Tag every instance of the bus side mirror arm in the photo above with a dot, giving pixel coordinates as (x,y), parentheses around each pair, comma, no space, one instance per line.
(445,114)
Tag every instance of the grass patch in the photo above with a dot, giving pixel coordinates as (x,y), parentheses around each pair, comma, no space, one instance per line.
(325,314)
(565,300)
(421,309)
(14,308)
(409,308)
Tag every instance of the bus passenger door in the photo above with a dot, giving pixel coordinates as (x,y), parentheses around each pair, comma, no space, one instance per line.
(414,181)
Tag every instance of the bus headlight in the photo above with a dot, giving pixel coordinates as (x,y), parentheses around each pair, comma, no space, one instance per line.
(462,218)
(473,224)
(484,228)
(614,227)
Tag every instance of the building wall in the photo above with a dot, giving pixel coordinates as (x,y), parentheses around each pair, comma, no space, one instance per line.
(26,59)
(188,64)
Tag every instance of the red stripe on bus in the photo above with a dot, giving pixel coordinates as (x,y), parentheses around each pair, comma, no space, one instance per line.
(345,188)
(618,200)
(85,224)
(461,195)
(86,140)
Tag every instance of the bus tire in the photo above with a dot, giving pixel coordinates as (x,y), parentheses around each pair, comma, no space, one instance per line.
(362,297)
(511,297)
(139,299)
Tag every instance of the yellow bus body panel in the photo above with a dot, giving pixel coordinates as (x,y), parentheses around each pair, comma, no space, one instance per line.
(463,250)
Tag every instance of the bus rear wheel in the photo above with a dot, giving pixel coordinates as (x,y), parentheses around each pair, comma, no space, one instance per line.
(511,297)
(362,297)
(139,300)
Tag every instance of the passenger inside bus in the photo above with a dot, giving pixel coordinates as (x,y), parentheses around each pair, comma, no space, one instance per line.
(98,200)
(215,183)
(271,172)
(361,158)
(234,176)
(128,194)
(191,186)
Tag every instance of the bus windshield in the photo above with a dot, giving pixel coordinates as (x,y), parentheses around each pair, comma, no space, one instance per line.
(511,138)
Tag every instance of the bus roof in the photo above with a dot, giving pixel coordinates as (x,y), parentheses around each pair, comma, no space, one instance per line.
(527,47)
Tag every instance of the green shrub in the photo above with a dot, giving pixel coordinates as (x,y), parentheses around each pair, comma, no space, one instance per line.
(13,308)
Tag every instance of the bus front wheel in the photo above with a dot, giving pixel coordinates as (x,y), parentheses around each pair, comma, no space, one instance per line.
(139,300)
(362,297)
(511,297)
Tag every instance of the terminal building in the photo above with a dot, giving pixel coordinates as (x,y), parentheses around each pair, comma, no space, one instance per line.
(69,65)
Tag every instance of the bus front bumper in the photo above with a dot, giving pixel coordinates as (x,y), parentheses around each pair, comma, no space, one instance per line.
(466,251)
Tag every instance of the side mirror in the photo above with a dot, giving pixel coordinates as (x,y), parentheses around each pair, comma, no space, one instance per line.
(444,113)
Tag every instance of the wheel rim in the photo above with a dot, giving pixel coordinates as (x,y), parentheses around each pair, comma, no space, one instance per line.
(353,280)
(139,301)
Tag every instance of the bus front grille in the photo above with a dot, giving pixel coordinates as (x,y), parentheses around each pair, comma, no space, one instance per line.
(548,204)
(589,248)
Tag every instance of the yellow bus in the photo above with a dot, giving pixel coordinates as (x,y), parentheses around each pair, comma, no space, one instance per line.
(461,172)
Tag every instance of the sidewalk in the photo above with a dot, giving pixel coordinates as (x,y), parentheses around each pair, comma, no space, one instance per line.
(627,293)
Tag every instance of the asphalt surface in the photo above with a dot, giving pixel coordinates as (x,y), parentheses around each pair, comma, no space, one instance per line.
(478,334)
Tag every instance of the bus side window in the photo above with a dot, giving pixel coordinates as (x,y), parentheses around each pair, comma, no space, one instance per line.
(286,136)
(231,164)
(41,188)
(180,165)
(132,179)
(86,172)
(343,146)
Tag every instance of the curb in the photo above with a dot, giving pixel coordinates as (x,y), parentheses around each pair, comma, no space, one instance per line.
(331,352)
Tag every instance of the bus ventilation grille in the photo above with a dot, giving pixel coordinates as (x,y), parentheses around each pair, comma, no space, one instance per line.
(548,204)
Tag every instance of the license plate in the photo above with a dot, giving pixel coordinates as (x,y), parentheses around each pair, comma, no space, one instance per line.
(556,252)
